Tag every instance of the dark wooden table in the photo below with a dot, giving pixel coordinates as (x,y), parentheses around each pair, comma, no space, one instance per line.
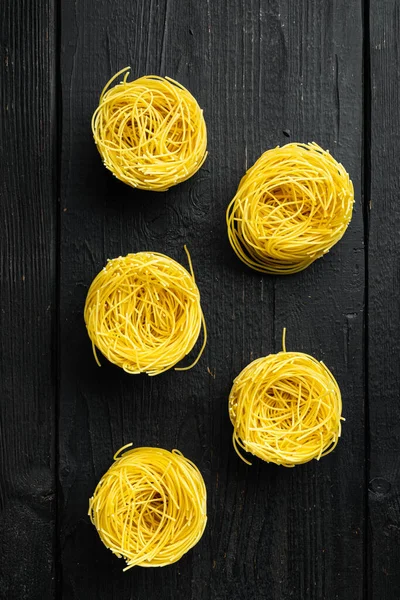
(265,72)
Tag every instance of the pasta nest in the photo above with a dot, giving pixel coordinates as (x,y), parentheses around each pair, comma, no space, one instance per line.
(286,409)
(150,132)
(291,207)
(150,507)
(143,313)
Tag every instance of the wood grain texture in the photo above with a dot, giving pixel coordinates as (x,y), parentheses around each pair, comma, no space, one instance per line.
(28,212)
(265,73)
(384,303)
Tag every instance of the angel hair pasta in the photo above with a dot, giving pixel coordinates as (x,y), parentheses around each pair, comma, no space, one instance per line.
(286,409)
(150,132)
(291,207)
(143,313)
(150,507)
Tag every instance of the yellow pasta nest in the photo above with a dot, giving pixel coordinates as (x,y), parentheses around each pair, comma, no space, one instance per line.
(286,409)
(150,507)
(143,313)
(150,132)
(291,207)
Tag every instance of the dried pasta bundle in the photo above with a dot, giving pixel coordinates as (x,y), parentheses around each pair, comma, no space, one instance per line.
(150,507)
(286,409)
(143,313)
(291,207)
(150,132)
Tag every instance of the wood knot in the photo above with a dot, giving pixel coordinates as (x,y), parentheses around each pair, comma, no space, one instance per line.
(379,486)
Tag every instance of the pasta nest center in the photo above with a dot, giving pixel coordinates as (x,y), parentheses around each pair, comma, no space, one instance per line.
(150,132)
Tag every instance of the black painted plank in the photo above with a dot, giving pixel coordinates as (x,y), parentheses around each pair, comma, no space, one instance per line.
(28,210)
(322,307)
(383,303)
(257,69)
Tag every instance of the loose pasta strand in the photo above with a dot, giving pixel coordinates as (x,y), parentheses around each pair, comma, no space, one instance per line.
(291,207)
(143,313)
(150,132)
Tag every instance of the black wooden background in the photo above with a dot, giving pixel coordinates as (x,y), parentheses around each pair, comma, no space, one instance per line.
(265,72)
